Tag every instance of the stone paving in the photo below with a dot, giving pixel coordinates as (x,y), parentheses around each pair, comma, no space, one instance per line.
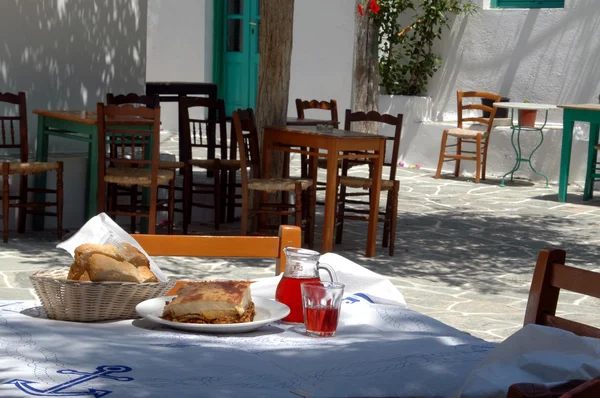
(465,252)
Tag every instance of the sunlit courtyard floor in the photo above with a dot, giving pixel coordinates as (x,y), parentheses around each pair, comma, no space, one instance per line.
(465,252)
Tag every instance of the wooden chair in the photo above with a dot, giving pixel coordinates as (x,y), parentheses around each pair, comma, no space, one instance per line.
(391,185)
(202,133)
(132,159)
(549,277)
(479,138)
(301,107)
(223,246)
(244,126)
(16,138)
(149,101)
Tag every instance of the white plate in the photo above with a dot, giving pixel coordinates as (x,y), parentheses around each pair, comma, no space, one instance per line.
(266,311)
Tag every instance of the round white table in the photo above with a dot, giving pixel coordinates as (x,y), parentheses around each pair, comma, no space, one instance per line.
(519,106)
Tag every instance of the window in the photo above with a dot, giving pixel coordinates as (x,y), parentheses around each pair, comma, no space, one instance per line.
(528,3)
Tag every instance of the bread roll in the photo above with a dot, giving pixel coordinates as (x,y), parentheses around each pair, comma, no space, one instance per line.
(83,252)
(76,271)
(102,268)
(146,275)
(132,255)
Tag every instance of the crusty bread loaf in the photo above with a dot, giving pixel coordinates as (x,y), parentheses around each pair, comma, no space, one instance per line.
(105,269)
(132,255)
(108,263)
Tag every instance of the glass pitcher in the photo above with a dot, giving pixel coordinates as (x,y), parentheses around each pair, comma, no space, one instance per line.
(302,266)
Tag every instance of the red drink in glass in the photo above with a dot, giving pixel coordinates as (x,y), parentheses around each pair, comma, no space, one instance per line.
(321,321)
(288,292)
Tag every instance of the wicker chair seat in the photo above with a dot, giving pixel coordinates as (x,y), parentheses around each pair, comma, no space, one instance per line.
(212,164)
(277,184)
(32,168)
(365,183)
(170,164)
(464,133)
(136,176)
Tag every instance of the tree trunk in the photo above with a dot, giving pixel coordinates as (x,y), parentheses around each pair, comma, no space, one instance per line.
(275,43)
(365,84)
(276,32)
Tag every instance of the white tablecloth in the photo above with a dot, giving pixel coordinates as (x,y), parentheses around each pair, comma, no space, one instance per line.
(534,354)
(381,349)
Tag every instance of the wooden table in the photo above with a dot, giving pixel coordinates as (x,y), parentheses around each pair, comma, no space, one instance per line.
(294,121)
(287,139)
(79,126)
(581,113)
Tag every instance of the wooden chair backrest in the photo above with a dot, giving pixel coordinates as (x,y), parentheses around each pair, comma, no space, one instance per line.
(384,118)
(550,276)
(12,137)
(224,246)
(149,101)
(489,122)
(330,105)
(202,133)
(122,144)
(244,128)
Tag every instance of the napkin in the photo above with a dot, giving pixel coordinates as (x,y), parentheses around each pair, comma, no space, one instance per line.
(101,229)
(534,354)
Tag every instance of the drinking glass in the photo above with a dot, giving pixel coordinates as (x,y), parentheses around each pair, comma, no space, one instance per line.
(321,304)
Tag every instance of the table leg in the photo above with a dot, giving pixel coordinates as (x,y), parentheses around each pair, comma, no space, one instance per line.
(40,178)
(517,155)
(375,193)
(565,156)
(588,190)
(330,199)
(92,202)
(267,152)
(531,157)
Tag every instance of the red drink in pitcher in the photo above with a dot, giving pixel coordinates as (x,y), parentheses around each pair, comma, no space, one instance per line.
(321,321)
(288,292)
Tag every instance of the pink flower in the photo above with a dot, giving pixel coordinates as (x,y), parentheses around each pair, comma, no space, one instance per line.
(401,164)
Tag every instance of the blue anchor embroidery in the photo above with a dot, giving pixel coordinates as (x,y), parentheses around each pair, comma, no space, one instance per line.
(58,390)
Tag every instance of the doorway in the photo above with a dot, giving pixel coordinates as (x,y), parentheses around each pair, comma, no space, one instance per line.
(236,52)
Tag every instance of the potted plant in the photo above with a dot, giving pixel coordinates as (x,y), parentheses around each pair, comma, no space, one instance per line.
(527,116)
(501,113)
(406,57)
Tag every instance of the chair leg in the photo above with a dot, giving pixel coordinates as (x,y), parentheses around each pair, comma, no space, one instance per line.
(217,197)
(188,180)
(285,200)
(478,159)
(5,198)
(171,212)
(298,204)
(438,173)
(458,152)
(59,200)
(484,161)
(340,215)
(113,189)
(223,195)
(231,196)
(133,196)
(244,219)
(386,221)
(394,216)
(22,215)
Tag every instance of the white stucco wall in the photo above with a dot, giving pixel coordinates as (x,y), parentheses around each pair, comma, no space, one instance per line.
(323,53)
(543,55)
(67,54)
(180,42)
(180,49)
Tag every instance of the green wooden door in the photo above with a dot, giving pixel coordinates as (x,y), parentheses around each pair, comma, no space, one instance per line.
(236,52)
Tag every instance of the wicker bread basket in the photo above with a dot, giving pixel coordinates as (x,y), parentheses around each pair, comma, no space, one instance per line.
(69,300)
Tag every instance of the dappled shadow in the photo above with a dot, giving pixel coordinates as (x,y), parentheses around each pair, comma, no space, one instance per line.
(69,54)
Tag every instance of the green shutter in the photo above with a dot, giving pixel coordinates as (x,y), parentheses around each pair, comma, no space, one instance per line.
(528,3)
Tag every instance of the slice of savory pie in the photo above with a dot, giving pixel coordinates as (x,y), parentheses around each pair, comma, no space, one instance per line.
(215,302)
